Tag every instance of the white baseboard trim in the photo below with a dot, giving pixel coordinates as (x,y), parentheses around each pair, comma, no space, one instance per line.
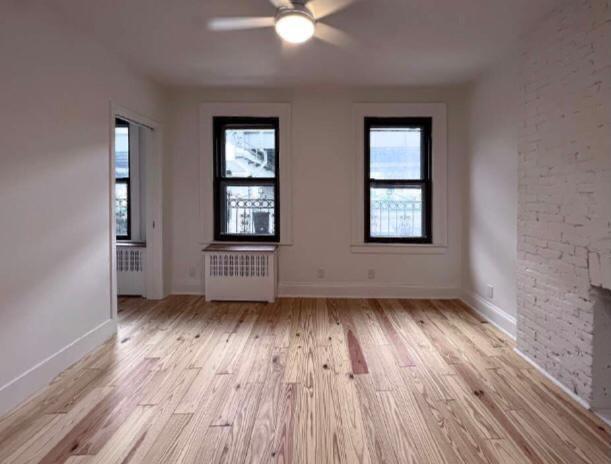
(362,290)
(507,324)
(187,289)
(552,379)
(604,414)
(15,392)
(503,321)
(343,290)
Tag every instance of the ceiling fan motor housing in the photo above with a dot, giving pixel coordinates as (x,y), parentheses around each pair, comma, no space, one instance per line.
(295,24)
(299,7)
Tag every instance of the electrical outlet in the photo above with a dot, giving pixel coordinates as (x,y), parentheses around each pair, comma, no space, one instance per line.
(371,274)
(320,273)
(192,272)
(490,292)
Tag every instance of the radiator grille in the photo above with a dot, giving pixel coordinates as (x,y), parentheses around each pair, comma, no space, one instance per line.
(129,260)
(242,265)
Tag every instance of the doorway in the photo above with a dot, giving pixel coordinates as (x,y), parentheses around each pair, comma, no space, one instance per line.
(136,220)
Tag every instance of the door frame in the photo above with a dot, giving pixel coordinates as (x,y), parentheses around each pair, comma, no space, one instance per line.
(155,288)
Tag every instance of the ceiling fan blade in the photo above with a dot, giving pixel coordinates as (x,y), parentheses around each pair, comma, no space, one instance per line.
(240,23)
(333,35)
(281,3)
(324,8)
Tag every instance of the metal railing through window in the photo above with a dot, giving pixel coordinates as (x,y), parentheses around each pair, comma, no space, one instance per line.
(392,218)
(249,216)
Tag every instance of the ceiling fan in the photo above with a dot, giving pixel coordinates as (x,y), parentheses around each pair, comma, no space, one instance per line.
(296,21)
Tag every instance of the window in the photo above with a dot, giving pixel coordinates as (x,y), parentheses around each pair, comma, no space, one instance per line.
(122,181)
(398,185)
(246,187)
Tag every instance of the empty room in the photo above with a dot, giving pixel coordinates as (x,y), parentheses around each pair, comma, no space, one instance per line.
(305,231)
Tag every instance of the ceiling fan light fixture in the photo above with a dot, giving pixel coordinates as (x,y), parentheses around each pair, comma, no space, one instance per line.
(295,25)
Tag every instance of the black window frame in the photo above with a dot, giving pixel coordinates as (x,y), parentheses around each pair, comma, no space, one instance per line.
(220,124)
(126,180)
(425,182)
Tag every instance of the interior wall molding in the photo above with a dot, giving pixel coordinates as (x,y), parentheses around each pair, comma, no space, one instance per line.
(552,379)
(498,317)
(346,290)
(187,289)
(507,324)
(207,112)
(39,376)
(437,111)
(604,414)
(363,290)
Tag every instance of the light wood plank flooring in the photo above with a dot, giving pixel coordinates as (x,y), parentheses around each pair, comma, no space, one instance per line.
(302,381)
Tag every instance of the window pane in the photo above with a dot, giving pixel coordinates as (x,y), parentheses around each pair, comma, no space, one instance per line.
(250,153)
(248,210)
(395,153)
(121,209)
(396,212)
(121,152)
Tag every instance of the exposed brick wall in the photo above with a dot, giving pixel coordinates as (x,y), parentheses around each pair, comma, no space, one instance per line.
(564,179)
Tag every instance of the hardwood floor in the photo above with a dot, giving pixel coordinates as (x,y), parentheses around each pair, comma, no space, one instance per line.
(302,381)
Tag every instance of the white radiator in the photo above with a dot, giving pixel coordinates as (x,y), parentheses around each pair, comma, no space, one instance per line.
(130,270)
(240,272)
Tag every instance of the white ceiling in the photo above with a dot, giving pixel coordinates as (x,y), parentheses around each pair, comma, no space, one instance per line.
(395,42)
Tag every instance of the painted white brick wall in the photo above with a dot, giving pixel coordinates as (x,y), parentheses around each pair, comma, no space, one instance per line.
(564,187)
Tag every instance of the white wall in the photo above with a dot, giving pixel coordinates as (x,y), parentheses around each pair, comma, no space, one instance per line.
(322,161)
(491,181)
(55,89)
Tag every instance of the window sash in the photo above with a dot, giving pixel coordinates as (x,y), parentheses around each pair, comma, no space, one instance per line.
(425,183)
(220,124)
(126,181)
(248,208)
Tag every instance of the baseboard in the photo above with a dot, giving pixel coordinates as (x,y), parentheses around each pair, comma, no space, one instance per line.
(36,378)
(343,290)
(604,414)
(187,289)
(362,290)
(506,323)
(552,379)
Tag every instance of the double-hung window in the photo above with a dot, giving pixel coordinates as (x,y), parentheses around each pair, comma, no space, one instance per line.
(246,173)
(398,180)
(122,181)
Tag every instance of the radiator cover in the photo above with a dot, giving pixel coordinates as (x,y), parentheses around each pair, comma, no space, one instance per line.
(130,270)
(240,272)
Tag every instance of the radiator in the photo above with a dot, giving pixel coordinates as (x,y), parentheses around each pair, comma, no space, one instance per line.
(130,270)
(240,273)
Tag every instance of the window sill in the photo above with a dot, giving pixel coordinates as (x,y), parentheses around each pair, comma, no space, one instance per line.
(245,243)
(398,249)
(131,243)
(248,248)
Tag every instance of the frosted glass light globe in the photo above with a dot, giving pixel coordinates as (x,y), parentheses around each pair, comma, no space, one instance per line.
(295,27)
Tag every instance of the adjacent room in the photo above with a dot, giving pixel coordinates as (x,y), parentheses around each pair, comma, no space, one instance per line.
(305,231)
